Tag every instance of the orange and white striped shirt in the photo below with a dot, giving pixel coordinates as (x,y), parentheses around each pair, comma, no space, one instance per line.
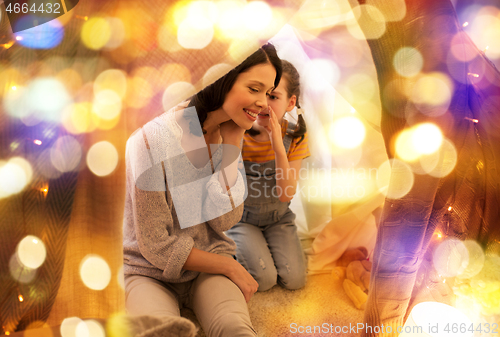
(260,152)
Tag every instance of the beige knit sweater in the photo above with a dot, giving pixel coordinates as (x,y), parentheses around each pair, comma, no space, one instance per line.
(154,243)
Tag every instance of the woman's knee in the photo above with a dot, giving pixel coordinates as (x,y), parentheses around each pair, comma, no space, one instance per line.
(231,325)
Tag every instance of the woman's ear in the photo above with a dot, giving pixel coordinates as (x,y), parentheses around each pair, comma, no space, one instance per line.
(291,103)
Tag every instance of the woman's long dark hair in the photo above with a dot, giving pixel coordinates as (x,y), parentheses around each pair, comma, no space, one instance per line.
(212,97)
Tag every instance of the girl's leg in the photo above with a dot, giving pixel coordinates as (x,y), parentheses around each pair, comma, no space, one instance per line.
(147,296)
(220,307)
(253,254)
(287,253)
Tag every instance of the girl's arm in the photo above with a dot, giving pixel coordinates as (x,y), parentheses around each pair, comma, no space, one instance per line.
(287,173)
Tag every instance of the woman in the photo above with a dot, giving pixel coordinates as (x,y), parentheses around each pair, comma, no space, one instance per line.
(175,250)
(266,238)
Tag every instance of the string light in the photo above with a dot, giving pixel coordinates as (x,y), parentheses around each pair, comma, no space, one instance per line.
(473,75)
(450,208)
(82,17)
(37,142)
(14,87)
(8,44)
(21,298)
(474,120)
(19,38)
(465,24)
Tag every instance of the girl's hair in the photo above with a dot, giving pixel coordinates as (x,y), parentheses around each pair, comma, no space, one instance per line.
(212,97)
(292,77)
(293,88)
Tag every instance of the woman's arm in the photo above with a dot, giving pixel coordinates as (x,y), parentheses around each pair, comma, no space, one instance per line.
(210,263)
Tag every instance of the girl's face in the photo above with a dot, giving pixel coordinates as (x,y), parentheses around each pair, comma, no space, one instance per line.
(248,96)
(279,101)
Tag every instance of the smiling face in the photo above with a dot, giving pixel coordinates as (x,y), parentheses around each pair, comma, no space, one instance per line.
(248,96)
(279,101)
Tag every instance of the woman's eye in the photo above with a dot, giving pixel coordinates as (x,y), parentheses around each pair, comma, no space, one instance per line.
(271,96)
(254,90)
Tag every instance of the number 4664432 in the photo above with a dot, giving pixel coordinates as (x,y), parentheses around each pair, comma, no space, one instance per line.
(42,8)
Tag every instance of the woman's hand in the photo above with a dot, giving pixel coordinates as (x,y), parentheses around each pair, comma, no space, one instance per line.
(231,133)
(247,284)
(274,131)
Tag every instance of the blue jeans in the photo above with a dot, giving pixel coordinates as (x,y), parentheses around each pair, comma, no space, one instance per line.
(269,248)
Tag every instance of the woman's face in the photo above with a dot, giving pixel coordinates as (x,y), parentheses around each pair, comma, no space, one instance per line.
(279,101)
(248,96)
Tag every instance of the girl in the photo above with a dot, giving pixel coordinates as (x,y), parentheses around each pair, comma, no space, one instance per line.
(266,237)
(175,251)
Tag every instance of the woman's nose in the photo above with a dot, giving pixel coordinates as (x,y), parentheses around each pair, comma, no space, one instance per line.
(261,102)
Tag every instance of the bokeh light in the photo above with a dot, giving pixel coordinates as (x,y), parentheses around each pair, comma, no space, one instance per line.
(171,73)
(432,93)
(96,33)
(195,33)
(175,93)
(461,49)
(31,252)
(363,87)
(120,277)
(111,79)
(257,15)
(95,272)
(394,179)
(484,30)
(19,272)
(45,166)
(90,328)
(66,154)
(319,73)
(316,15)
(102,158)
(45,36)
(408,61)
(140,93)
(347,132)
(393,10)
(47,97)
(44,98)
(15,175)
(230,21)
(77,118)
(450,258)
(117,33)
(107,104)
(427,138)
(476,259)
(370,23)
(422,139)
(442,162)
(215,72)
(69,326)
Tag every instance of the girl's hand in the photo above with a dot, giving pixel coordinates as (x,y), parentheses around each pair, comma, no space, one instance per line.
(274,131)
(239,275)
(231,133)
